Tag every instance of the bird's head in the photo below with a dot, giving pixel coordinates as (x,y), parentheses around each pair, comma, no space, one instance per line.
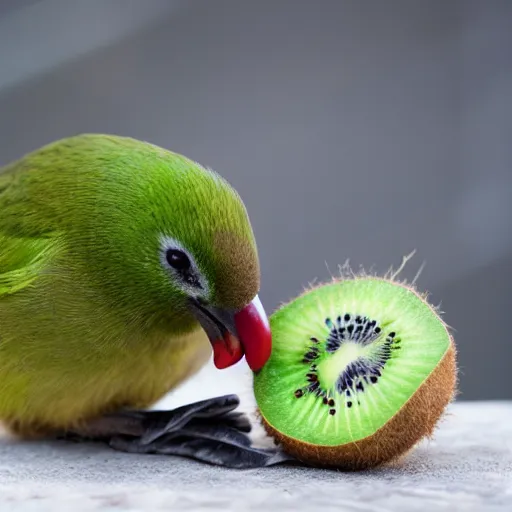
(209,257)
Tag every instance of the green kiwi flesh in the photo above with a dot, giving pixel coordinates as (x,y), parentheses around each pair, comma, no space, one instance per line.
(361,369)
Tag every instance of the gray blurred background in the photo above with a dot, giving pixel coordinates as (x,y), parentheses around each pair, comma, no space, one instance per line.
(353,130)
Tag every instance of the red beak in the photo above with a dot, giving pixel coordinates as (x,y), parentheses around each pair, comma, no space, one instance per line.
(235,334)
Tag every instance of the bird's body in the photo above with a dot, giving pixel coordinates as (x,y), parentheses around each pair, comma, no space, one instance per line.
(99,364)
(92,321)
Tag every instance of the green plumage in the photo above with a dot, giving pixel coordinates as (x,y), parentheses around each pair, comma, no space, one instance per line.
(89,317)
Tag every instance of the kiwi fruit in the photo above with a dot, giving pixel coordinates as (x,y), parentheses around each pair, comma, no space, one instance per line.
(362,368)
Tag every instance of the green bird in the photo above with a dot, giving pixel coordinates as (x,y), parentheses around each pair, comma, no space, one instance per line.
(119,261)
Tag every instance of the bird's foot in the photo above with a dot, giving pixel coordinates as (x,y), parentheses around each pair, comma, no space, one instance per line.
(209,431)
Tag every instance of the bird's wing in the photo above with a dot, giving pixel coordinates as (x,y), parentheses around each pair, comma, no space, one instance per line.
(24,252)
(23,260)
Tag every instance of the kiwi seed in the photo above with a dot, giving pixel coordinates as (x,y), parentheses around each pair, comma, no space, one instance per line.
(361,370)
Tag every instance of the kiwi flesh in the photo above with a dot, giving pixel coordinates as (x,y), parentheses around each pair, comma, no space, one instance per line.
(361,370)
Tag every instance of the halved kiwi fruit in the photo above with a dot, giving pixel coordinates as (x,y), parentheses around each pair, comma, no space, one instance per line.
(361,369)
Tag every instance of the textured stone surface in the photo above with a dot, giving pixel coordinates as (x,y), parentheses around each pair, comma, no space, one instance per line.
(468,466)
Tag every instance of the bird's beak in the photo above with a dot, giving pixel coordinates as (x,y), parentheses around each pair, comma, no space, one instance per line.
(235,333)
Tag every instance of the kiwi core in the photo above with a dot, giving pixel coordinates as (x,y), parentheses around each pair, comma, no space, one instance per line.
(355,353)
(346,358)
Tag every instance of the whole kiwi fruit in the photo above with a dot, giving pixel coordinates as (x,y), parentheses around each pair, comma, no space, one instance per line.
(362,368)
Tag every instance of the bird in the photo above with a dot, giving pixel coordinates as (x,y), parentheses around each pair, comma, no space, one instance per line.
(123,267)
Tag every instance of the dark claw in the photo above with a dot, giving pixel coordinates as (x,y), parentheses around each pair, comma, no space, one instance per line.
(209,431)
(196,429)
(229,454)
(159,423)
(213,432)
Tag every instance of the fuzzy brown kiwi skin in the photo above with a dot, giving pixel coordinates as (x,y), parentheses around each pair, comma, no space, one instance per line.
(416,420)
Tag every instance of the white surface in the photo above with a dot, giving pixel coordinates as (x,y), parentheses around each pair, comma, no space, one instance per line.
(467,467)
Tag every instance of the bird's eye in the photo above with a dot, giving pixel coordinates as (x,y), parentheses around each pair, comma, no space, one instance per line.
(177,259)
